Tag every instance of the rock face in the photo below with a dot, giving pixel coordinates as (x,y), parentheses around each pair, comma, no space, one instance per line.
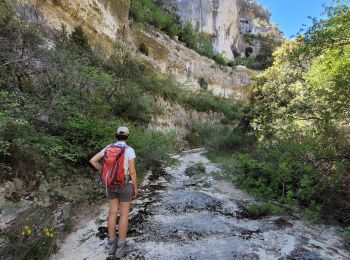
(188,67)
(227,21)
(217,18)
(180,120)
(255,20)
(106,21)
(103,21)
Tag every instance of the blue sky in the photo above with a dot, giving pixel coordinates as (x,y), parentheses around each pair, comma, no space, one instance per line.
(290,15)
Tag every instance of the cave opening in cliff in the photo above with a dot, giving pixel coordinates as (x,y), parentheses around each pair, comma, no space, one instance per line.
(248,51)
(143,48)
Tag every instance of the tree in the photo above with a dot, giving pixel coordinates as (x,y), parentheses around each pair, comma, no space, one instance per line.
(79,38)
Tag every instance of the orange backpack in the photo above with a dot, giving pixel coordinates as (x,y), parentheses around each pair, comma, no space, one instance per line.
(113,172)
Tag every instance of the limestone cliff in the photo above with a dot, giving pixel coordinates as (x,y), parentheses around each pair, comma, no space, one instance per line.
(190,68)
(106,21)
(103,20)
(217,18)
(227,21)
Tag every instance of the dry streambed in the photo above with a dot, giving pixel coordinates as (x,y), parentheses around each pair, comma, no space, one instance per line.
(179,216)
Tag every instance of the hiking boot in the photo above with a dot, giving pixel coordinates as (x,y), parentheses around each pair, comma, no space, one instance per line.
(112,246)
(123,249)
(128,248)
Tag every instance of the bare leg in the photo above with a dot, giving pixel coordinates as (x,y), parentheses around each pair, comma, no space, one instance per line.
(123,220)
(112,217)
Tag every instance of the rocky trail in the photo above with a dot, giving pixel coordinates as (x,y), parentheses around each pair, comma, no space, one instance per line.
(178,216)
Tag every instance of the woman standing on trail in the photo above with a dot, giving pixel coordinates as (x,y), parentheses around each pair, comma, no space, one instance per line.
(119,199)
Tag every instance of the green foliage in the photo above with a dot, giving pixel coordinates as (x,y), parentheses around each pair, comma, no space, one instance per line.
(300,113)
(313,213)
(257,211)
(250,62)
(198,168)
(70,104)
(68,225)
(152,148)
(347,232)
(329,78)
(189,36)
(221,58)
(286,172)
(202,101)
(145,11)
(221,139)
(330,33)
(347,235)
(206,101)
(78,37)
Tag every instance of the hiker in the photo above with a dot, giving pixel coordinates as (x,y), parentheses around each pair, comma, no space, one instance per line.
(119,198)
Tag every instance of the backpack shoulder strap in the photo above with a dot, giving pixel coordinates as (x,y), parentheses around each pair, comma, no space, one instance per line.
(121,152)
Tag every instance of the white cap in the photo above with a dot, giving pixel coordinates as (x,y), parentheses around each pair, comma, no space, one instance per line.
(123,130)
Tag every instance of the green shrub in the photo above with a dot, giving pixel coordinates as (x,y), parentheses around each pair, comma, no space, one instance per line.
(63,115)
(153,149)
(206,101)
(250,62)
(79,39)
(220,139)
(145,11)
(198,168)
(206,48)
(347,236)
(313,213)
(189,35)
(256,211)
(221,58)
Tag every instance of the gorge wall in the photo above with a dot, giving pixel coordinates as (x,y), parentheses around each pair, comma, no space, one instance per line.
(107,21)
(227,22)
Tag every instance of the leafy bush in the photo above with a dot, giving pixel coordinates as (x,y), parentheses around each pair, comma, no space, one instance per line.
(222,139)
(250,62)
(347,235)
(78,37)
(196,169)
(313,213)
(152,148)
(189,36)
(300,112)
(256,211)
(221,58)
(145,11)
(206,101)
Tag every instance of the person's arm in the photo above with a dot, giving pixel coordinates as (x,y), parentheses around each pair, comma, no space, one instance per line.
(132,171)
(94,160)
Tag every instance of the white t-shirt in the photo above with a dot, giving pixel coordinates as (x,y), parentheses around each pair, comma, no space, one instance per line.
(129,154)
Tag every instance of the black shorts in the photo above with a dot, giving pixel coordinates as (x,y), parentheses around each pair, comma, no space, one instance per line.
(123,194)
